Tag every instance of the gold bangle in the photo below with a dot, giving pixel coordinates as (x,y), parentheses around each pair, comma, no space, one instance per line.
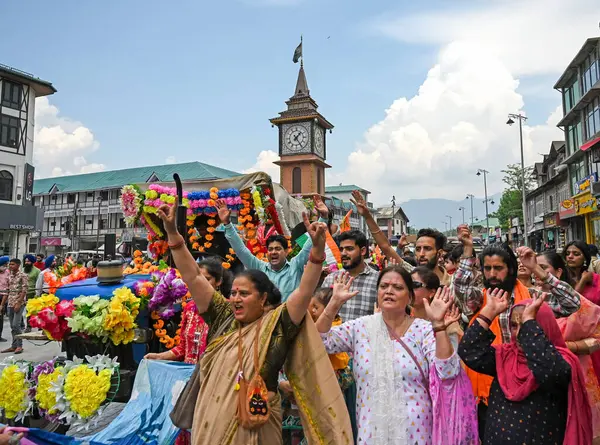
(376,232)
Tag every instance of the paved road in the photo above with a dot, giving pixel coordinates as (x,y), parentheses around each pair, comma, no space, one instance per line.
(37,351)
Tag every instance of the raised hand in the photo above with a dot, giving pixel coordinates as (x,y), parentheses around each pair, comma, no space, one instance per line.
(320,206)
(464,235)
(168,215)
(341,288)
(497,302)
(316,231)
(527,257)
(452,315)
(360,203)
(438,307)
(222,210)
(532,308)
(403,241)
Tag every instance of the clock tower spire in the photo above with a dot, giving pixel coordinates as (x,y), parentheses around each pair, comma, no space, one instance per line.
(302,137)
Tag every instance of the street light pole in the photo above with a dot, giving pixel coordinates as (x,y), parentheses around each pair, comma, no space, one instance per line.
(487,213)
(510,121)
(463,213)
(450,218)
(469,196)
(446,225)
(99,199)
(393,231)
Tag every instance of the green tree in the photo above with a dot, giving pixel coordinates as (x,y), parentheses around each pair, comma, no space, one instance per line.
(511,202)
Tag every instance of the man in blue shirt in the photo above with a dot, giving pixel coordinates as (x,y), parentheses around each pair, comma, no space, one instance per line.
(283,273)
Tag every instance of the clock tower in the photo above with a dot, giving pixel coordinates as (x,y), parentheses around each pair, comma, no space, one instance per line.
(302,142)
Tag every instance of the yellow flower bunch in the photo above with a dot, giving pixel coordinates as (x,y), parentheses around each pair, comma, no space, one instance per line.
(47,399)
(35,305)
(119,322)
(13,391)
(85,390)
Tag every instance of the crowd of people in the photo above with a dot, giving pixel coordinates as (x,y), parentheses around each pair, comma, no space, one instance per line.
(432,346)
(436,347)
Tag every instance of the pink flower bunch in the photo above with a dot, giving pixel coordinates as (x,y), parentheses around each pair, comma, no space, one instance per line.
(160,189)
(54,322)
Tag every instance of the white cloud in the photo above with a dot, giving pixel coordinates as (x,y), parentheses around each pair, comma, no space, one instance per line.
(432,144)
(60,144)
(530,37)
(264,163)
(170,160)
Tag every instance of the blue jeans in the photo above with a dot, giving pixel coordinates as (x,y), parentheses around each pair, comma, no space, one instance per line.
(15,319)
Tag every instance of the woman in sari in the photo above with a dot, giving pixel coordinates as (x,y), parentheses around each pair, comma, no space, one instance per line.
(538,393)
(402,365)
(581,332)
(254,334)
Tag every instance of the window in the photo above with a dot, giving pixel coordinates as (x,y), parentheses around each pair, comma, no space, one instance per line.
(297,180)
(591,72)
(104,195)
(103,224)
(592,119)
(71,198)
(6,185)
(551,203)
(11,94)
(122,224)
(9,131)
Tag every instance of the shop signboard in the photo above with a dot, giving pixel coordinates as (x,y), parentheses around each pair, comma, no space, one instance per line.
(21,217)
(586,183)
(51,241)
(567,209)
(550,221)
(585,203)
(28,183)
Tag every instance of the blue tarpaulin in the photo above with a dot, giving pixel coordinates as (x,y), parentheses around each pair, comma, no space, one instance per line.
(91,287)
(145,418)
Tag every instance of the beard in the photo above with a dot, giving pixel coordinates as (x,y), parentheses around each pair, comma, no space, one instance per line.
(354,264)
(507,285)
(27,268)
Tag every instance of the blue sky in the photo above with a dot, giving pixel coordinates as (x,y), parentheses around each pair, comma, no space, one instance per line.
(199,80)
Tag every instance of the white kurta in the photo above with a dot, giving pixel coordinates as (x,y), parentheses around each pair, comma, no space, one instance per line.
(352,337)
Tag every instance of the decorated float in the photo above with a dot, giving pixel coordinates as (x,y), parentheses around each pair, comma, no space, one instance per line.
(128,311)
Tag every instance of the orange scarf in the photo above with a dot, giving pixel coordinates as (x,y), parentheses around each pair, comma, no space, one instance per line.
(481,382)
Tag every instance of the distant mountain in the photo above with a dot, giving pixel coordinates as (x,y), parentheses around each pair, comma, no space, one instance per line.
(432,212)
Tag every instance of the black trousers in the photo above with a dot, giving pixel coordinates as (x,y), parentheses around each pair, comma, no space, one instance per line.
(481,415)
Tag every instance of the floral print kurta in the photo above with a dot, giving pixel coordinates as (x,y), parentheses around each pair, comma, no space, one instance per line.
(352,337)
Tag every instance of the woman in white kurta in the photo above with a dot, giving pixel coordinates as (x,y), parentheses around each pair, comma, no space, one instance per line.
(393,404)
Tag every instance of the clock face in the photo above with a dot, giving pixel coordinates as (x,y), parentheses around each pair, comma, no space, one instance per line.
(295,138)
(319,141)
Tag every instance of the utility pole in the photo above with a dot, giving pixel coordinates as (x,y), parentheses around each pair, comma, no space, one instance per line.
(511,121)
(450,218)
(487,213)
(99,199)
(393,231)
(469,196)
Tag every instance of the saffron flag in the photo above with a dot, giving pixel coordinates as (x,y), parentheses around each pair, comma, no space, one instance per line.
(345,222)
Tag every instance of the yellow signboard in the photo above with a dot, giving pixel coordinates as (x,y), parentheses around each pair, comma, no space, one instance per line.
(585,203)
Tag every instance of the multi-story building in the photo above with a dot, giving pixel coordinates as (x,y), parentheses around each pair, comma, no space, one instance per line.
(18,216)
(547,224)
(392,221)
(580,89)
(337,198)
(80,209)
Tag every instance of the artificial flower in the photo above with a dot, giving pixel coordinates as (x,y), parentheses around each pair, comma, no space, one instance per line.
(14,392)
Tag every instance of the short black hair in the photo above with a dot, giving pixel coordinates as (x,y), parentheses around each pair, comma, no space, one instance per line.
(593,249)
(353,235)
(439,237)
(15,261)
(41,255)
(429,277)
(277,239)
(454,254)
(323,295)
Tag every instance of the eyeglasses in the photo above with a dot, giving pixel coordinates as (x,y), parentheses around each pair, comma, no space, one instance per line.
(418,284)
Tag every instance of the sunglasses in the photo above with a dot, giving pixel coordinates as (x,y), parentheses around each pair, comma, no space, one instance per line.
(418,284)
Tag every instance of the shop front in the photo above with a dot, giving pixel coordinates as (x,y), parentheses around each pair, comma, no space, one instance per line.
(553,233)
(16,224)
(536,234)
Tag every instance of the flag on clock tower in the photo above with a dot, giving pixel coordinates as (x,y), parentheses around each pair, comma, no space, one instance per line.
(298,53)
